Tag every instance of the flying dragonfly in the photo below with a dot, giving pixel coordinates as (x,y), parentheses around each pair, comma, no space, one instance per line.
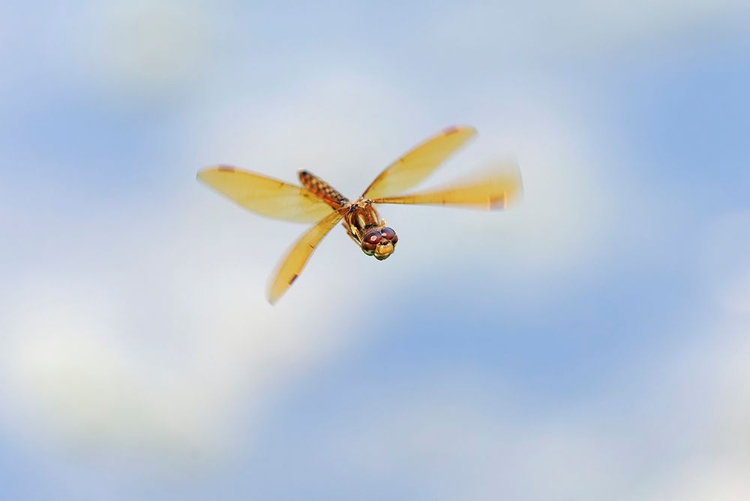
(318,202)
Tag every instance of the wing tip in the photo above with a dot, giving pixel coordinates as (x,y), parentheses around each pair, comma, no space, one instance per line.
(274,292)
(272,296)
(203,173)
(454,129)
(497,203)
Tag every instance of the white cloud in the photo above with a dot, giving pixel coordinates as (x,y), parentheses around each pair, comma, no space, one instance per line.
(158,339)
(157,343)
(725,261)
(335,123)
(457,437)
(671,428)
(147,51)
(151,333)
(708,481)
(522,32)
(148,332)
(713,396)
(679,432)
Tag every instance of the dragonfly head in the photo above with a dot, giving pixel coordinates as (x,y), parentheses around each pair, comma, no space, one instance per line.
(379,242)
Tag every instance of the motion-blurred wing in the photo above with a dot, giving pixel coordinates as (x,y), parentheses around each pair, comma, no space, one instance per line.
(494,189)
(419,163)
(292,264)
(266,196)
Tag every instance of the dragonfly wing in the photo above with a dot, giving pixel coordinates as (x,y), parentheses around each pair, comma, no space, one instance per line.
(419,163)
(493,189)
(292,264)
(266,196)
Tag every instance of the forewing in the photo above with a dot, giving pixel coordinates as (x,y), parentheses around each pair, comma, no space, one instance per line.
(419,163)
(493,189)
(294,261)
(266,196)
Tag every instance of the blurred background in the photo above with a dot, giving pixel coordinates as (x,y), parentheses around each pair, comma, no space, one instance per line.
(591,343)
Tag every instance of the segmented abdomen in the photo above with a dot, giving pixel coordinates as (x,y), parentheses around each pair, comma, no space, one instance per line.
(322,189)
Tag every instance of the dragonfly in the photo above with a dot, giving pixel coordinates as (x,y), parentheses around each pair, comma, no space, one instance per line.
(318,202)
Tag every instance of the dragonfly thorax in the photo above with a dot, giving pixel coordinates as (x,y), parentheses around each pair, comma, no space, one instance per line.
(370,232)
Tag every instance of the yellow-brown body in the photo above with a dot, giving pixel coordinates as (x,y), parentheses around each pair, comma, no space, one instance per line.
(361,220)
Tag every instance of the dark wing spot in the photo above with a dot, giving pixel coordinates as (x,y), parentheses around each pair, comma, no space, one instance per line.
(450,130)
(226,168)
(497,203)
(293,279)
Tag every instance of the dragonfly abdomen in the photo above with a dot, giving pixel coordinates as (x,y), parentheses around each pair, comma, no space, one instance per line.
(322,190)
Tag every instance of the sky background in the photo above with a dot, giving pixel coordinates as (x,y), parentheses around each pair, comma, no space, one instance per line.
(591,343)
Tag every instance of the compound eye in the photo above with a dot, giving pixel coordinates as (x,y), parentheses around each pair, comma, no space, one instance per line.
(389,234)
(370,241)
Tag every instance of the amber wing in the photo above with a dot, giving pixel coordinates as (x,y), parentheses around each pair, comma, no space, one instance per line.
(296,258)
(418,164)
(266,196)
(494,188)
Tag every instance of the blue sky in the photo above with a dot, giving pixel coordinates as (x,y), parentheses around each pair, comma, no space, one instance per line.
(590,343)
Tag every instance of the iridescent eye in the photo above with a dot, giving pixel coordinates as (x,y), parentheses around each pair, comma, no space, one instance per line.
(372,237)
(389,234)
(370,241)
